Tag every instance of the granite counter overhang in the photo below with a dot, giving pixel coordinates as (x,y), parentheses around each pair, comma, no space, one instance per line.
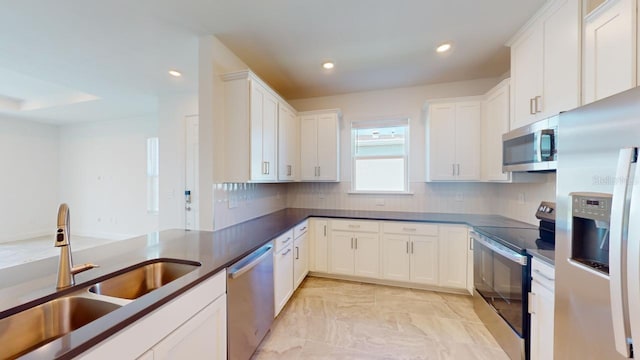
(25,285)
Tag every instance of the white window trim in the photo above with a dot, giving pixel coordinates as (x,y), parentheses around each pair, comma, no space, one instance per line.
(381,123)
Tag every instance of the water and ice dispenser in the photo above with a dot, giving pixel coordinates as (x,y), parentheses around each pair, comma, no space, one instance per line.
(591,216)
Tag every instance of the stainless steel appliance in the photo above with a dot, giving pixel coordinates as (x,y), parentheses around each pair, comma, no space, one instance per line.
(531,148)
(249,302)
(502,278)
(598,230)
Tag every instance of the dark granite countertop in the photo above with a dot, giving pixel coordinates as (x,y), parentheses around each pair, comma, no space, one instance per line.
(29,284)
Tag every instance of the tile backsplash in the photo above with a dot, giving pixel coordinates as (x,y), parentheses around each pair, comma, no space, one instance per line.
(238,202)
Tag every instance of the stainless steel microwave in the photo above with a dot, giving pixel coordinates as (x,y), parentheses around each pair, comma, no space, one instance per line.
(532,147)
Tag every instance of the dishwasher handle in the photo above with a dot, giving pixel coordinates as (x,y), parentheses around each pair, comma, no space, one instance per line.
(250,261)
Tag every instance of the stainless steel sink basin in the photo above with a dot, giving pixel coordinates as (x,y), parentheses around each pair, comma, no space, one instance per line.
(34,327)
(144,278)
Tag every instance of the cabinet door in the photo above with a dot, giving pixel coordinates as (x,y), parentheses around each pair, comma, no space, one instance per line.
(467,140)
(561,62)
(270,136)
(328,154)
(258,166)
(300,259)
(609,50)
(341,249)
(204,336)
(288,144)
(495,122)
(542,313)
(453,256)
(526,76)
(441,139)
(318,254)
(367,255)
(424,259)
(308,147)
(395,257)
(282,277)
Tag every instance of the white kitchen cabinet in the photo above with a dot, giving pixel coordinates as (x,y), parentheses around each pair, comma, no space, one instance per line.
(542,309)
(355,252)
(288,143)
(320,145)
(545,63)
(202,337)
(319,249)
(495,122)
(453,253)
(453,136)
(410,252)
(609,50)
(251,119)
(300,254)
(282,270)
(193,325)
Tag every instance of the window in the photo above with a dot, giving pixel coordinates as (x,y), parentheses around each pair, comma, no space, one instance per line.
(380,156)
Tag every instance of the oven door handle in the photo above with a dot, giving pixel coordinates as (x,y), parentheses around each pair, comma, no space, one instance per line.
(509,254)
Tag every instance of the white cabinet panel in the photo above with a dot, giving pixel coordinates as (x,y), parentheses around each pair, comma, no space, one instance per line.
(300,259)
(424,259)
(320,145)
(453,256)
(542,310)
(319,250)
(288,143)
(609,50)
(396,257)
(367,255)
(282,277)
(495,122)
(341,249)
(453,136)
(526,76)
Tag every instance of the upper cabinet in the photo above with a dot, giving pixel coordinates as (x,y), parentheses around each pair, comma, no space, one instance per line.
(609,49)
(453,140)
(319,145)
(251,129)
(495,122)
(288,143)
(545,64)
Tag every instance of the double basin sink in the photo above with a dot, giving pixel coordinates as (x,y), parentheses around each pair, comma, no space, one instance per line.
(34,327)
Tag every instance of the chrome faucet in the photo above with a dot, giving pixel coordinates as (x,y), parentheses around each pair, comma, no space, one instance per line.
(66,270)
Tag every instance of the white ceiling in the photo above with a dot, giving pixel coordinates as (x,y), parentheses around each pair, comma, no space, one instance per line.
(114,55)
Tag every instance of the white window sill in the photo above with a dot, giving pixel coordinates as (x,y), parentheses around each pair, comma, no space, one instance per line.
(380,193)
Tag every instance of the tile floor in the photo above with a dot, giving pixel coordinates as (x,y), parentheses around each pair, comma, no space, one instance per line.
(331,319)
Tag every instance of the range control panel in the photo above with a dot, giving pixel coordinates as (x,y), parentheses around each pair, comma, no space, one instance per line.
(546,211)
(596,206)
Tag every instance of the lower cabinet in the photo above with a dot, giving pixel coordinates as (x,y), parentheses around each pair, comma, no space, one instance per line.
(410,258)
(541,308)
(355,253)
(192,326)
(319,245)
(282,277)
(300,258)
(453,252)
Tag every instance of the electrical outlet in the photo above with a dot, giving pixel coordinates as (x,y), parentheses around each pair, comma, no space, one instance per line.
(459,196)
(521,199)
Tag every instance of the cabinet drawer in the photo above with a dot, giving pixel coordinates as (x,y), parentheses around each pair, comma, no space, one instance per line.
(410,228)
(283,240)
(351,225)
(300,229)
(543,273)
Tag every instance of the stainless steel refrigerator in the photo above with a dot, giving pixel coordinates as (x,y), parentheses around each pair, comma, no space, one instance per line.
(597,298)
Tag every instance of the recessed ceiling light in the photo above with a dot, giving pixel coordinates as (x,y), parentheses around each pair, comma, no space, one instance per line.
(443,48)
(175,73)
(328,65)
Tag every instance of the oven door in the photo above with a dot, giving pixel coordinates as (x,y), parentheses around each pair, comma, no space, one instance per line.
(501,278)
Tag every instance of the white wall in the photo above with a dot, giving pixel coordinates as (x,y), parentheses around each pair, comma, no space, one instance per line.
(235,203)
(520,201)
(29,180)
(103,176)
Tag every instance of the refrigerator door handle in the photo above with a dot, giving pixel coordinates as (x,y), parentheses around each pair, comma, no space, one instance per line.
(619,311)
(633,261)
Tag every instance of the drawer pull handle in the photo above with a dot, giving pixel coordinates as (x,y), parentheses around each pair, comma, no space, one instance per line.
(303,229)
(354,226)
(538,272)
(409,229)
(286,252)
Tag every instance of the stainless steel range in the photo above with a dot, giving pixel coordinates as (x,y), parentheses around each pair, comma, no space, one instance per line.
(502,278)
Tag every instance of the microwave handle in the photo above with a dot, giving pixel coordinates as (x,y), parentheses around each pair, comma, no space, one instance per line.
(541,134)
(619,314)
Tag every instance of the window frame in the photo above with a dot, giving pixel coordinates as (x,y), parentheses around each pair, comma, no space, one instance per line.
(372,124)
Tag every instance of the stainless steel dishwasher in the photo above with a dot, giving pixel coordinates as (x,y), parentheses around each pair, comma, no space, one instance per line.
(250,302)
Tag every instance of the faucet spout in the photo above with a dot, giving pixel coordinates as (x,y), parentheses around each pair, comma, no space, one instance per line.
(66,270)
